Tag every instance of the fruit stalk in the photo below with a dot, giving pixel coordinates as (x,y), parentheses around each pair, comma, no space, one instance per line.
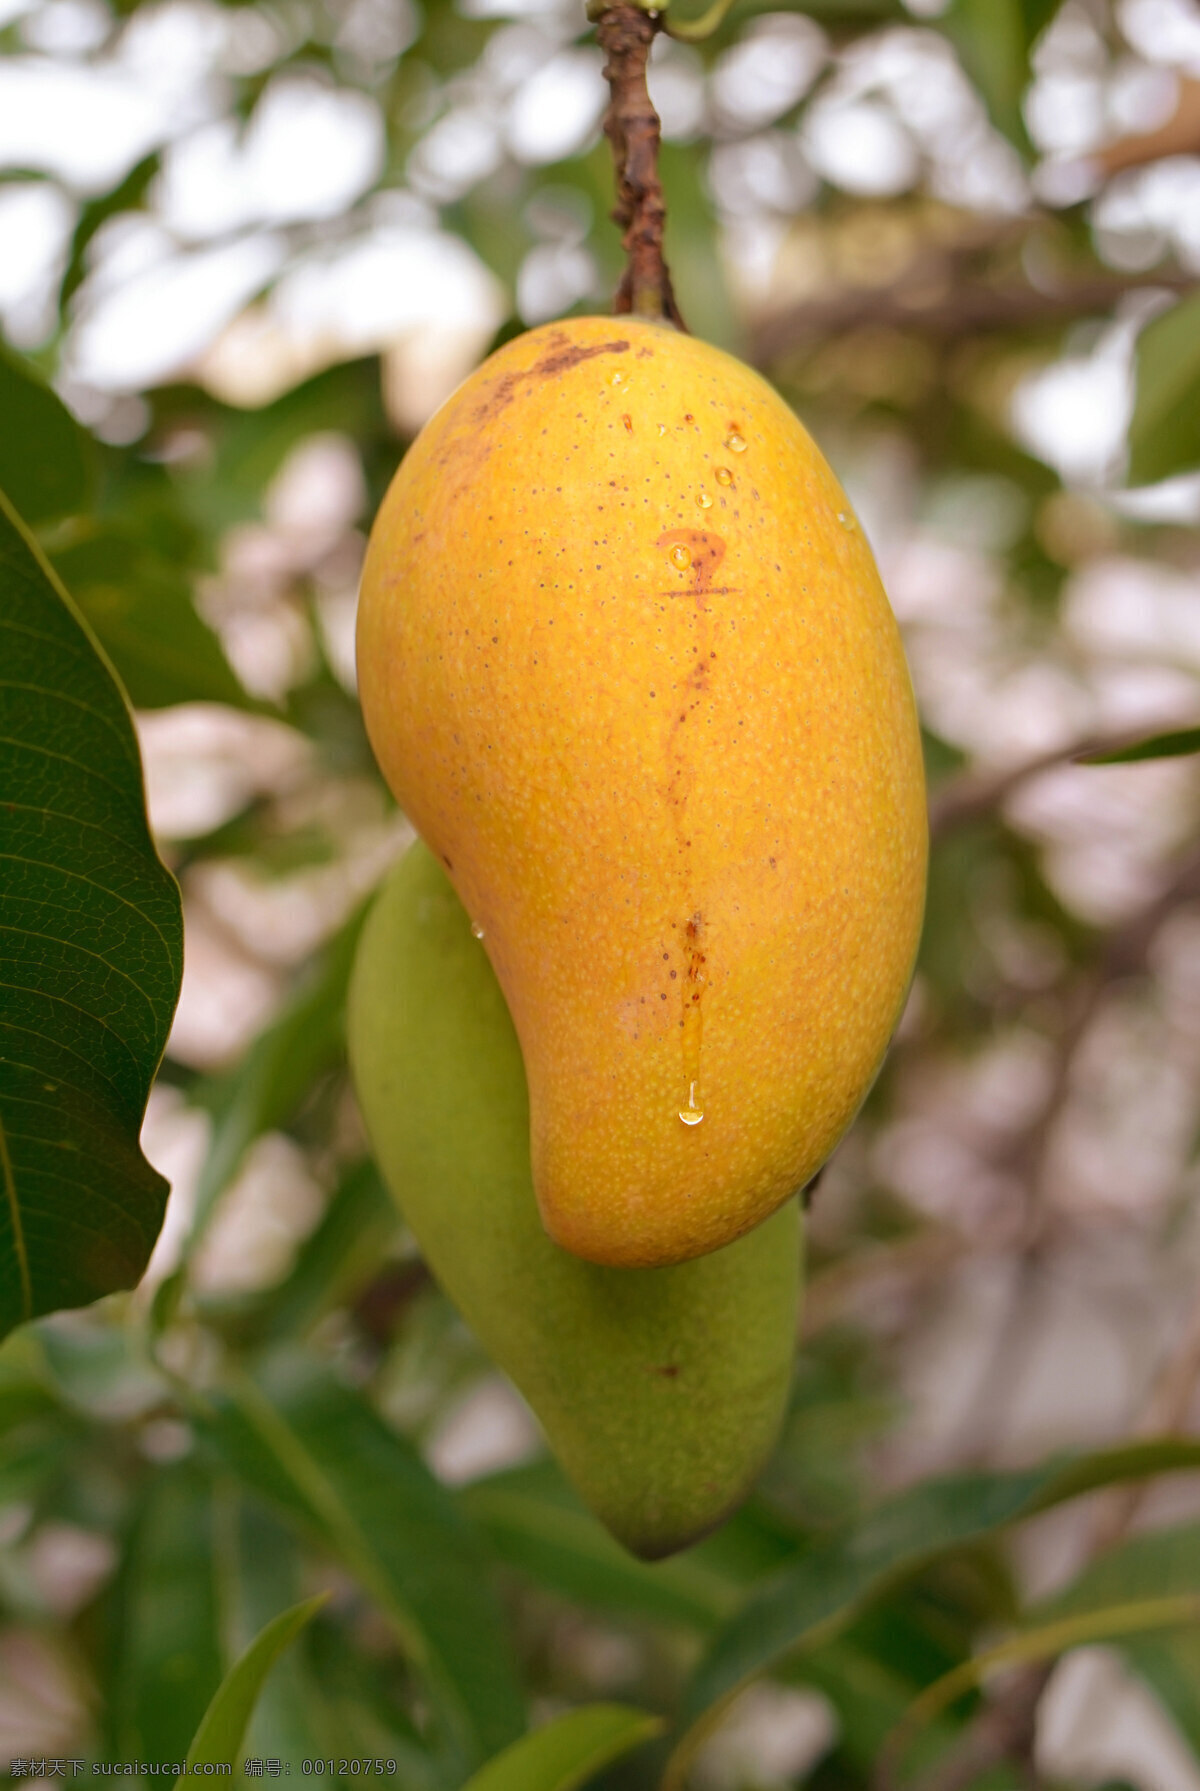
(625,33)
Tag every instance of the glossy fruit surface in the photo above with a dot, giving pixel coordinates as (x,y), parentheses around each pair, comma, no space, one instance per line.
(626,661)
(661,1390)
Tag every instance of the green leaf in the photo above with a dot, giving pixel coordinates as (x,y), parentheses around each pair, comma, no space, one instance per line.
(568,1751)
(223,1726)
(91,948)
(1169,1662)
(993,39)
(1043,1641)
(340,1256)
(1153,1564)
(164,1644)
(1164,434)
(264,1571)
(278,1070)
(1158,746)
(303,1439)
(536,1524)
(815,1599)
(142,612)
(43,452)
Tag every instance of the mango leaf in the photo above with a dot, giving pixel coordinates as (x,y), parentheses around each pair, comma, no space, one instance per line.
(291,1719)
(568,1751)
(37,1435)
(301,1438)
(1164,434)
(1154,1564)
(816,1597)
(141,609)
(1157,746)
(1044,1641)
(536,1524)
(223,1726)
(1169,1662)
(336,1259)
(993,40)
(163,1647)
(44,463)
(92,951)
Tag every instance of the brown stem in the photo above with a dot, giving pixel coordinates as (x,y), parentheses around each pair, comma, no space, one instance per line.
(631,125)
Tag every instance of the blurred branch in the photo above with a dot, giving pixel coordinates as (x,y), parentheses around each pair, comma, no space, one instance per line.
(625,34)
(1177,135)
(868,1276)
(1165,1414)
(975,794)
(930,301)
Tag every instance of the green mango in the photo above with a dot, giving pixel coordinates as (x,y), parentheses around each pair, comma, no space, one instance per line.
(660,1390)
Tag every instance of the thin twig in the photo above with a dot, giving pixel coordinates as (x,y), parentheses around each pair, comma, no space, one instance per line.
(631,125)
(974,794)
(931,303)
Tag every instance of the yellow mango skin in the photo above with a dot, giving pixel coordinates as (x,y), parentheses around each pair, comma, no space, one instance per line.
(626,662)
(661,1390)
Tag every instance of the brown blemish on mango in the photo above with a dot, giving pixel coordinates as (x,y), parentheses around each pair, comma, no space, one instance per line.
(563,356)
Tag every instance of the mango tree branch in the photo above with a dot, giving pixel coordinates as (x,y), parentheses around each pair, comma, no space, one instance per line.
(625,33)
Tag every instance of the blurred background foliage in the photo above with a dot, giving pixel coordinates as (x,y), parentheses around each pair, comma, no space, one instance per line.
(251,247)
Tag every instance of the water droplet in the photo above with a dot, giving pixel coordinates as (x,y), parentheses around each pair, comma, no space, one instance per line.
(704,501)
(681,557)
(692,1114)
(846,520)
(476,929)
(736,444)
(662,429)
(724,476)
(618,379)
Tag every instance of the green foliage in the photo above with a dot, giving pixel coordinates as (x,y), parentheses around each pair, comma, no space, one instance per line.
(94,957)
(1164,435)
(223,1728)
(300,1438)
(140,608)
(568,1752)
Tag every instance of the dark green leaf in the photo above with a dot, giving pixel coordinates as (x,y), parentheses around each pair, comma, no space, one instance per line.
(817,1597)
(43,452)
(567,1752)
(1164,435)
(1158,746)
(165,1648)
(91,939)
(302,1438)
(223,1726)
(141,610)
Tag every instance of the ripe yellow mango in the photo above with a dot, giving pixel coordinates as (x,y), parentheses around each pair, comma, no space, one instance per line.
(626,662)
(661,1390)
